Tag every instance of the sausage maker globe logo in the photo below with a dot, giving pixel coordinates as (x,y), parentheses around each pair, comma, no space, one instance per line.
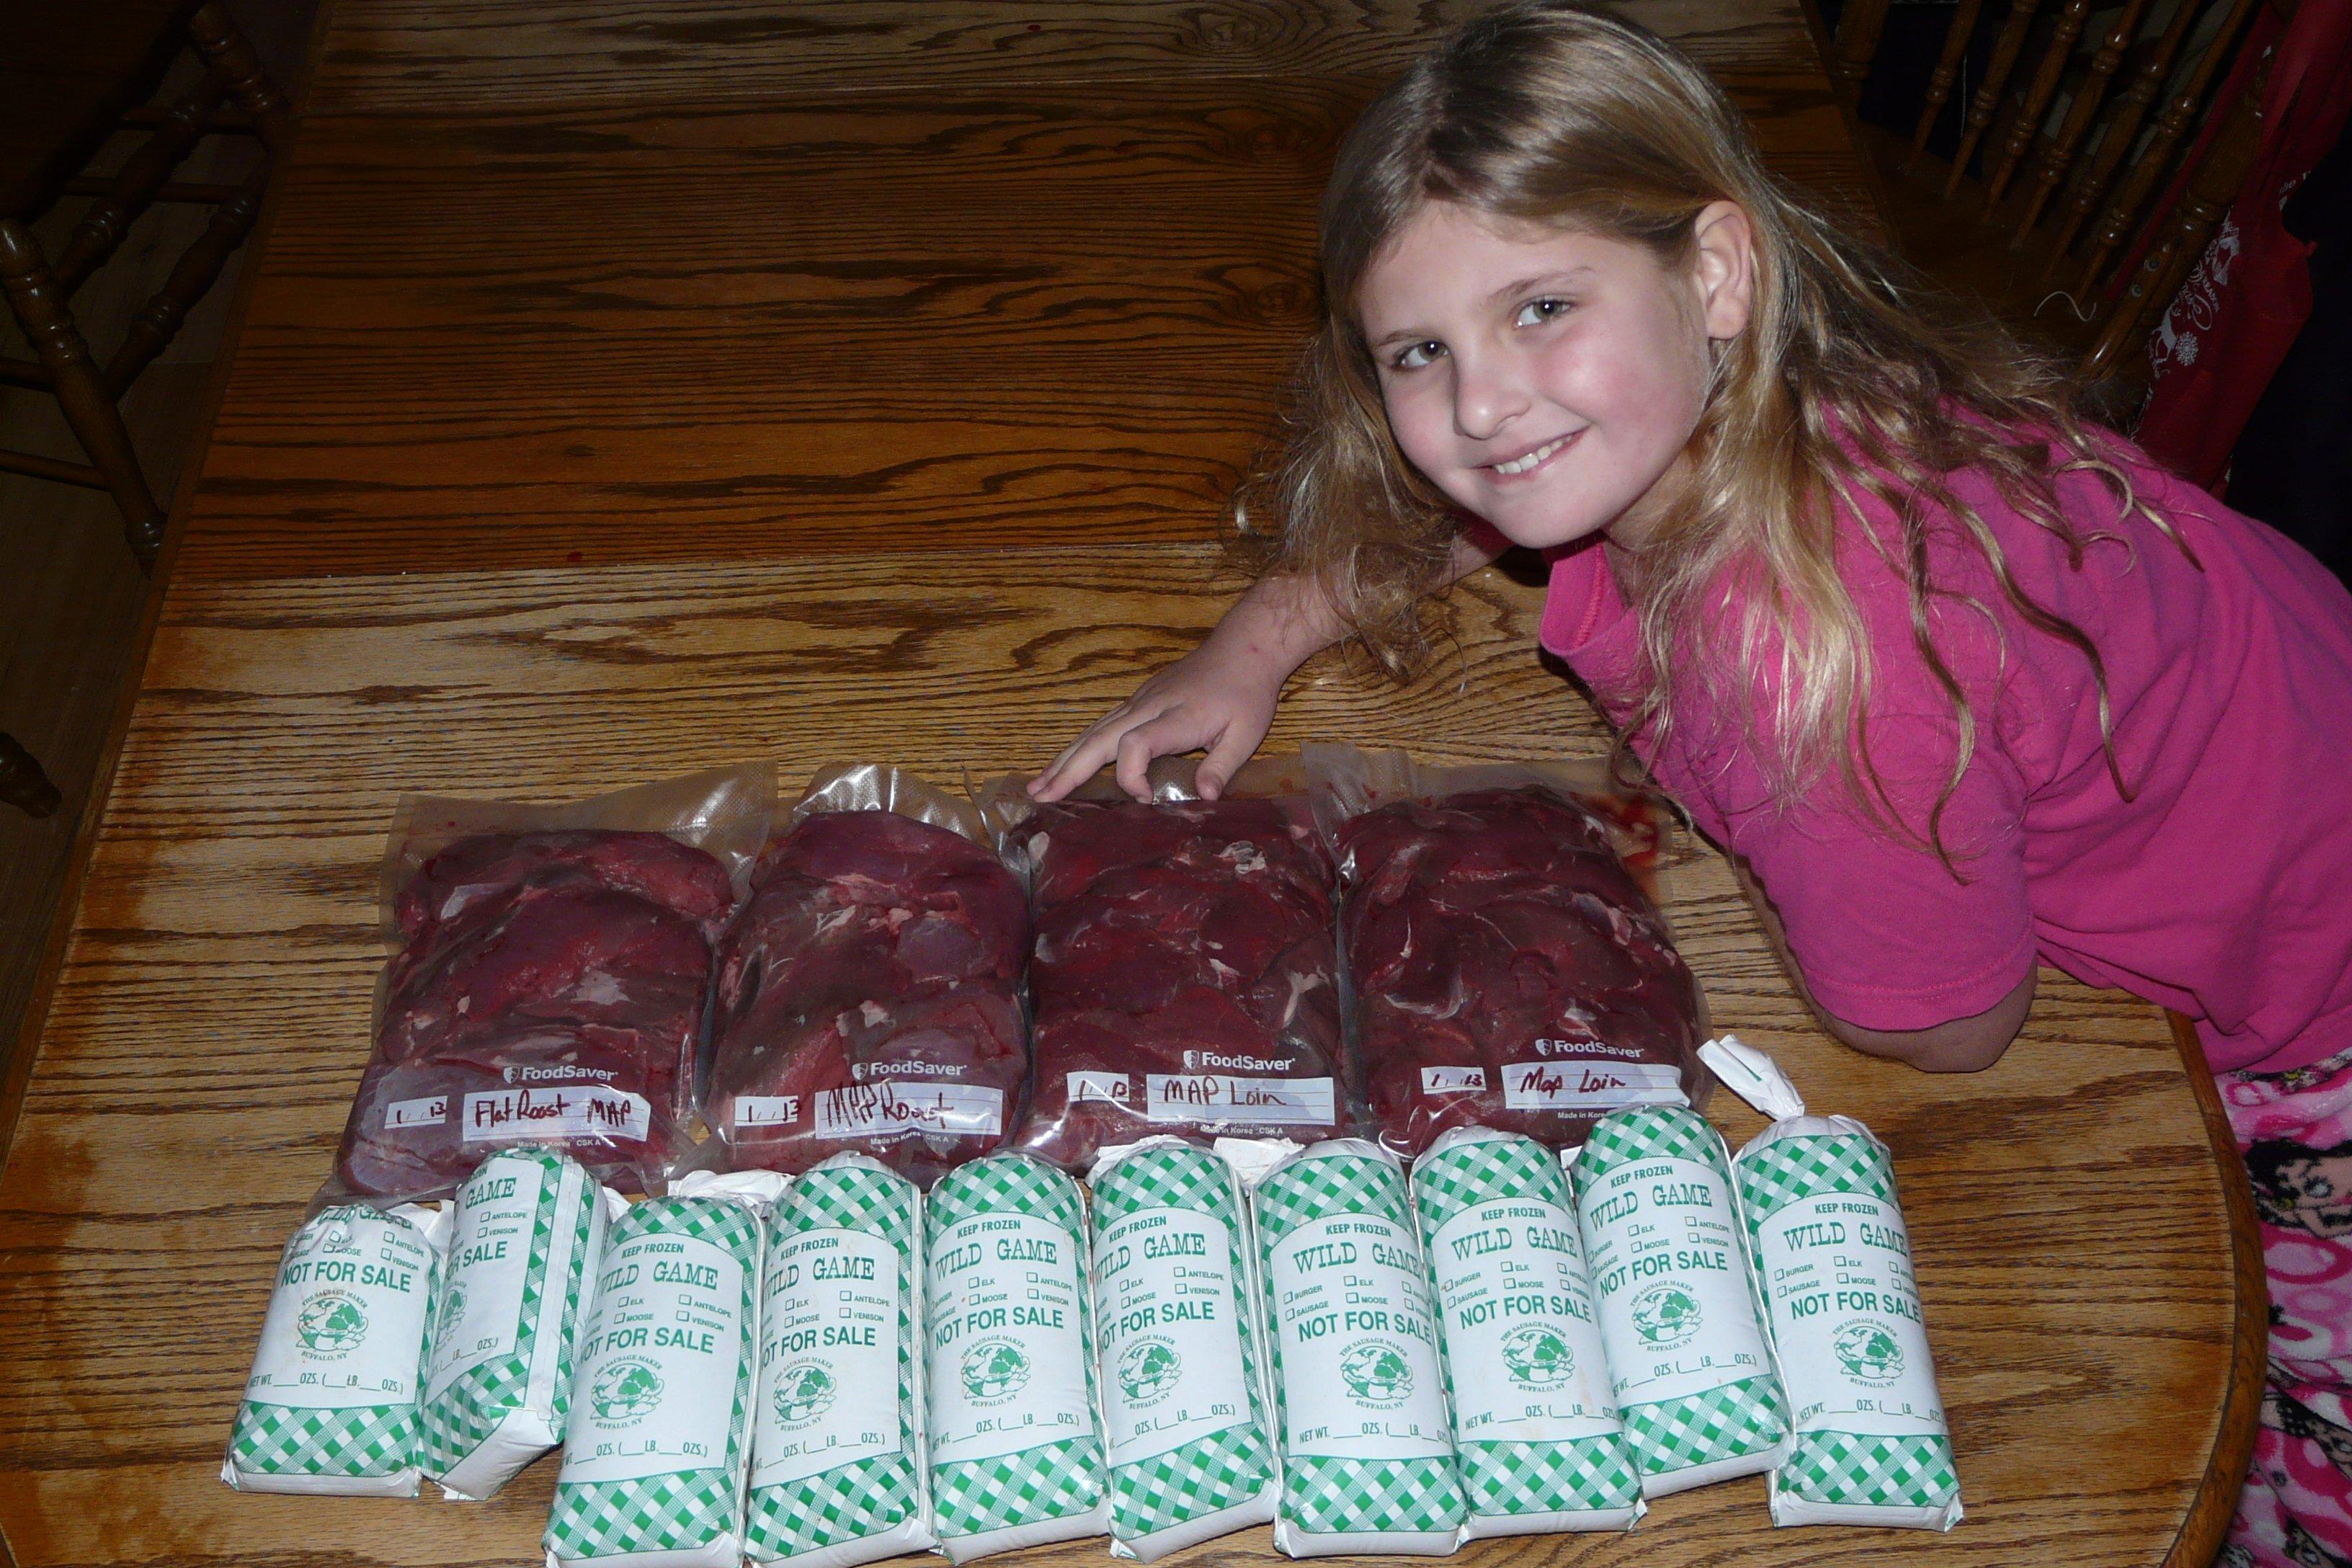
(804,1391)
(1148,1371)
(1377,1374)
(332,1322)
(1666,1316)
(995,1371)
(1536,1357)
(625,1390)
(1868,1351)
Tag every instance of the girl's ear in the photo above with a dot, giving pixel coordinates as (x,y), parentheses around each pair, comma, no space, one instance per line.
(1725,269)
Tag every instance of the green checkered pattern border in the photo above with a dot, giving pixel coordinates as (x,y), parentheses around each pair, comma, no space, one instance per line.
(1323,1496)
(1486,1171)
(1589,1474)
(287,1440)
(686,1508)
(1787,1169)
(855,1500)
(1226,1468)
(1515,1478)
(1847,1467)
(1052,1480)
(1738,1419)
(461,1416)
(1650,1132)
(1345,1497)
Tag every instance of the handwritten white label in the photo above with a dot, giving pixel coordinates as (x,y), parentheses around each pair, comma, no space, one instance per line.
(570,1110)
(1101,1088)
(430,1111)
(893,1107)
(1211,1096)
(767,1109)
(1452,1080)
(1590,1086)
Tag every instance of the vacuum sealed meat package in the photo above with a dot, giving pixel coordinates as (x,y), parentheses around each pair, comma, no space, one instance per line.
(331,1405)
(525,1236)
(548,980)
(655,1442)
(1693,1375)
(1834,1254)
(1535,1428)
(870,993)
(1507,968)
(1367,1452)
(1183,977)
(1016,1447)
(1182,1343)
(836,1420)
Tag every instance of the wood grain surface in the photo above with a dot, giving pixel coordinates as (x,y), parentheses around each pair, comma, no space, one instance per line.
(2068,1216)
(629,388)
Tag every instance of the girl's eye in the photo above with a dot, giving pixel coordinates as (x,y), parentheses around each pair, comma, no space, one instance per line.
(1534,312)
(1414,356)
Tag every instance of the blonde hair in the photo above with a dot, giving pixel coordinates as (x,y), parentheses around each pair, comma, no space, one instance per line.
(1548,114)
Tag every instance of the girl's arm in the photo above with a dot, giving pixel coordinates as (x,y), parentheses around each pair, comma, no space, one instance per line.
(1958,1045)
(1221,697)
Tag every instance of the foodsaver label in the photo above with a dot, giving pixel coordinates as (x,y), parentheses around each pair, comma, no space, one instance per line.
(655,1390)
(1359,1372)
(1521,1332)
(1588,1086)
(1676,1315)
(346,1322)
(908,1106)
(490,1260)
(1845,1315)
(828,1389)
(564,1110)
(1007,1353)
(1171,1351)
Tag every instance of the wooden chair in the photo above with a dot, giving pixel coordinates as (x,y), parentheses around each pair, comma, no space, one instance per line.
(70,76)
(2060,198)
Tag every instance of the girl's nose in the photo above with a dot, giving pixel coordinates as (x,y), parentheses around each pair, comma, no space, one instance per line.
(1486,395)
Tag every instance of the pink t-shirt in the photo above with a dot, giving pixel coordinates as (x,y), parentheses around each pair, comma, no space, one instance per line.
(2222,887)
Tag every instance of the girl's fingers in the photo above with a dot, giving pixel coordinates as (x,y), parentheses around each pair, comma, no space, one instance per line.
(1232,748)
(1155,738)
(1081,756)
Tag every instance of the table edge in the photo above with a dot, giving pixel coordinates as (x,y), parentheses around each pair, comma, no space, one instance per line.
(2216,1499)
(23,1055)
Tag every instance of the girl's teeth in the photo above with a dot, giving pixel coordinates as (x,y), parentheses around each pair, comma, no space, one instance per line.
(1521,465)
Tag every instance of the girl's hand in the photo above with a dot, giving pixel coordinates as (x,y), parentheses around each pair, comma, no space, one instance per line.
(1217,698)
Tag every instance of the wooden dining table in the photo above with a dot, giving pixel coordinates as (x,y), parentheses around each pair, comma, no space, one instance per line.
(623,389)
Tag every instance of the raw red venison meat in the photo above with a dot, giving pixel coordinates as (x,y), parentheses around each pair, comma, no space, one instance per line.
(551,990)
(1508,971)
(869,999)
(1183,976)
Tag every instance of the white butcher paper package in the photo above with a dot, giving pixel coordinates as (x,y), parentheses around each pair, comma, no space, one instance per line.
(655,1445)
(1689,1363)
(869,996)
(1536,1429)
(525,1234)
(1367,1449)
(1842,1302)
(548,975)
(1016,1448)
(1183,977)
(837,1427)
(331,1407)
(1177,1311)
(1507,962)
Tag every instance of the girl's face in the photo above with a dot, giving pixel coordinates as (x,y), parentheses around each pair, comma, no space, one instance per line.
(1548,380)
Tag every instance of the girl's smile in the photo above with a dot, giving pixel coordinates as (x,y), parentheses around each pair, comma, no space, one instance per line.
(1545,380)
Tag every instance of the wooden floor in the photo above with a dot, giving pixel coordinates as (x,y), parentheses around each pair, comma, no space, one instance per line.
(70,596)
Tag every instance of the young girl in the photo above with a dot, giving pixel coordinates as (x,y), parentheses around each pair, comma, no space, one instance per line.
(1961,681)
